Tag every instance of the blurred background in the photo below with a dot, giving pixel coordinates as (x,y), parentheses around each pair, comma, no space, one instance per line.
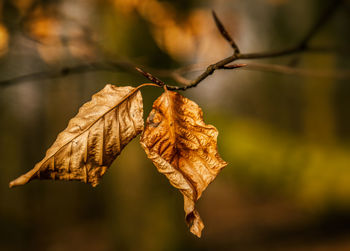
(286,136)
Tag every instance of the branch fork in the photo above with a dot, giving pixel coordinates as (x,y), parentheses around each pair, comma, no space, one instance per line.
(224,64)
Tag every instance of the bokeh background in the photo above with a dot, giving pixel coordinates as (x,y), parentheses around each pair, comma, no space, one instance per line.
(286,136)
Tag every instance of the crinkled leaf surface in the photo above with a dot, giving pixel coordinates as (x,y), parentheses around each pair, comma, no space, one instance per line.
(183,148)
(93,138)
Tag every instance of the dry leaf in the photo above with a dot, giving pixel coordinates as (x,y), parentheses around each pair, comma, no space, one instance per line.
(183,148)
(93,138)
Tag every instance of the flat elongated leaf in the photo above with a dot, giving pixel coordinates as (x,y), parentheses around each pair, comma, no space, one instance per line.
(183,148)
(93,138)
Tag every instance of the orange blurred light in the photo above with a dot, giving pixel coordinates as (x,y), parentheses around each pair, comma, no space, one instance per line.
(160,14)
(4,39)
(183,39)
(44,29)
(22,5)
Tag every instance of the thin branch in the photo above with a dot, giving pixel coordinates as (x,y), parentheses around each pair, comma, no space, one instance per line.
(78,69)
(274,68)
(225,34)
(298,48)
(179,78)
(283,69)
(233,66)
(177,75)
(333,6)
(150,77)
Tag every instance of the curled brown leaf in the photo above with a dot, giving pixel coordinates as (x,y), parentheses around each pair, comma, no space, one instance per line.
(93,138)
(183,148)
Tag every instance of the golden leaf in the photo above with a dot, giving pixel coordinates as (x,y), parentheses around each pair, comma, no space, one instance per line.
(93,138)
(183,148)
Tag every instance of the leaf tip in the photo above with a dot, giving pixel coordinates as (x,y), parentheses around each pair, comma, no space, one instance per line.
(23,179)
(17,182)
(195,223)
(199,234)
(197,230)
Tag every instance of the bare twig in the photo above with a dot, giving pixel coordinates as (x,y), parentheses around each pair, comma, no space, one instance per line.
(150,77)
(177,75)
(225,34)
(283,69)
(179,78)
(320,22)
(97,66)
(298,48)
(274,68)
(233,66)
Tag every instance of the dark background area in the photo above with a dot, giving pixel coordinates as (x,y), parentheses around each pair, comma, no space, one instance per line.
(286,137)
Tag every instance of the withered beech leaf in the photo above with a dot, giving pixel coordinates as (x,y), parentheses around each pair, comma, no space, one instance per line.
(93,138)
(183,148)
